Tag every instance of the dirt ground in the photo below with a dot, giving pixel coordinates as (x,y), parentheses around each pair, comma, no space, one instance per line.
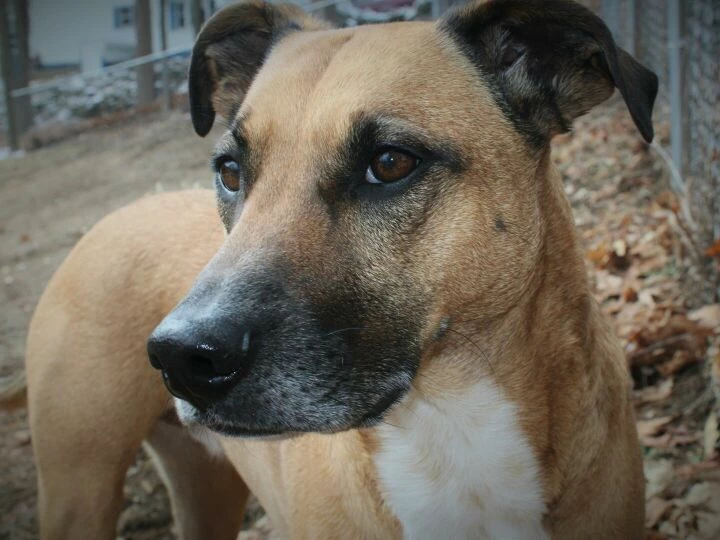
(51,197)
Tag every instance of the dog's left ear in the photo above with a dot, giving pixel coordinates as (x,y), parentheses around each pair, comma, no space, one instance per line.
(550,61)
(229,51)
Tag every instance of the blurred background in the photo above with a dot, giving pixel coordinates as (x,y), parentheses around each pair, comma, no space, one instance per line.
(93,114)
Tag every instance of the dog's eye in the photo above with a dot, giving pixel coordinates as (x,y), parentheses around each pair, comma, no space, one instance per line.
(390,165)
(230,174)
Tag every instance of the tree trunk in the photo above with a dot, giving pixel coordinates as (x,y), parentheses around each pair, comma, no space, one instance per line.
(21,65)
(163,24)
(167,96)
(15,30)
(5,60)
(143,35)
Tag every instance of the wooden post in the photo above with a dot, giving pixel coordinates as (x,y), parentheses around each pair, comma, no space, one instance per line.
(167,96)
(20,66)
(5,60)
(14,45)
(143,34)
(674,37)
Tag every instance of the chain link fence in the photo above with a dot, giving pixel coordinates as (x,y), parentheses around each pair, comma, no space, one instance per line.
(651,38)
(680,41)
(701,92)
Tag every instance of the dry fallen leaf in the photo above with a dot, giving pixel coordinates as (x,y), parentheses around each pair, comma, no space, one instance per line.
(648,428)
(668,200)
(661,441)
(715,374)
(714,250)
(630,294)
(655,509)
(659,392)
(619,256)
(659,475)
(679,360)
(655,535)
(709,523)
(22,437)
(704,494)
(711,435)
(705,469)
(598,256)
(708,317)
(682,440)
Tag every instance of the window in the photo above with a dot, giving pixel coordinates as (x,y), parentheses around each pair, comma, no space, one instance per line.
(177,15)
(123,17)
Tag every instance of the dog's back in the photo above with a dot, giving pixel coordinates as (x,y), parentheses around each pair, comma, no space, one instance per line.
(93,399)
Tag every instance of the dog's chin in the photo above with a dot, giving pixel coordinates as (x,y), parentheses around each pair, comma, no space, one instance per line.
(194,418)
(378,411)
(191,416)
(186,412)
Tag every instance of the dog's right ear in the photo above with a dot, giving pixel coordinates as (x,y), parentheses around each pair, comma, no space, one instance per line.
(229,51)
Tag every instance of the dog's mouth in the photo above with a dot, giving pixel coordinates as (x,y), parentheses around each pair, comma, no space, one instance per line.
(231,430)
(380,409)
(192,416)
(230,427)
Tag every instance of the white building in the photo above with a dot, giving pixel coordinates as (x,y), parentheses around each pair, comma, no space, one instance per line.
(92,33)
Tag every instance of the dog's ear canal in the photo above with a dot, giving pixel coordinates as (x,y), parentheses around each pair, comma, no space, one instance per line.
(229,51)
(550,61)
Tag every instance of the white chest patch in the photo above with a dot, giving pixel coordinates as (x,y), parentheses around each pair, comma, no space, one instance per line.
(460,468)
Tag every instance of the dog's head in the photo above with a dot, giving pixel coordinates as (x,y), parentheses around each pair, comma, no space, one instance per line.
(375,183)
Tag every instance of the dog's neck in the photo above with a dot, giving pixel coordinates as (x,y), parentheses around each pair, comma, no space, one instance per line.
(489,439)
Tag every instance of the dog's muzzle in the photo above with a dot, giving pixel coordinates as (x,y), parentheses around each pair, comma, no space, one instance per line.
(255,354)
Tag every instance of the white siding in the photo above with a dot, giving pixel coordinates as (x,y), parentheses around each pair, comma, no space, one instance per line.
(75,32)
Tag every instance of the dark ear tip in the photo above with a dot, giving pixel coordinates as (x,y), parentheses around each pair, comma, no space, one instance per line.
(648,133)
(656,85)
(645,125)
(202,120)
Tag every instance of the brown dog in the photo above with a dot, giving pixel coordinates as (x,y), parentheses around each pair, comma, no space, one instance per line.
(396,336)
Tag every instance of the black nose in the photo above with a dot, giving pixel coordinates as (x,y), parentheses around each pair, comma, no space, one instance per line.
(198,366)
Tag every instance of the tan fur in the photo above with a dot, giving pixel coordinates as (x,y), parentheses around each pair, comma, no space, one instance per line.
(93,398)
(518,301)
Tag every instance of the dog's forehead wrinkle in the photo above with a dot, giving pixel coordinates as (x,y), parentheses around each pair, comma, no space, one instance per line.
(237,127)
(323,78)
(297,62)
(315,85)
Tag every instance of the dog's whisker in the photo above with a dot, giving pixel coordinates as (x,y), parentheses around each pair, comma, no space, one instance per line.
(465,321)
(482,353)
(341,330)
(396,426)
(405,406)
